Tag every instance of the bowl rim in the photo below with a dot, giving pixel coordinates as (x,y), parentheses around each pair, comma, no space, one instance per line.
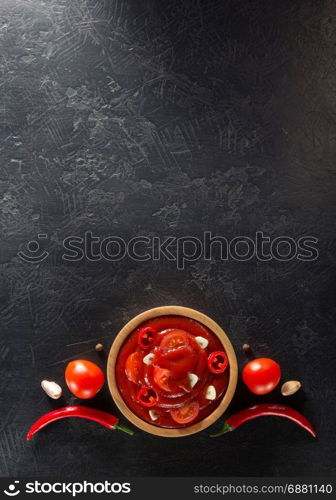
(171,311)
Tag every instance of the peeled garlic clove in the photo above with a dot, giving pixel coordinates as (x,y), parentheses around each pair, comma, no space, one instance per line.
(290,387)
(52,389)
(202,342)
(153,415)
(210,393)
(148,358)
(193,379)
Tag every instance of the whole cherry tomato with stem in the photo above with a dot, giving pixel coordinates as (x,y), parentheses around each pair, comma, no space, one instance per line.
(84,378)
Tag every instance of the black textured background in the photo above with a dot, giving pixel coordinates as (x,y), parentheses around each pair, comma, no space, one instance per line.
(150,117)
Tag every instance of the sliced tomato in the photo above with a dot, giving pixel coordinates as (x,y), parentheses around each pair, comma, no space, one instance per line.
(174,339)
(186,413)
(163,378)
(134,367)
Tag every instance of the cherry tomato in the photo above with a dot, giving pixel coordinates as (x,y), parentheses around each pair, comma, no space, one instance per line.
(146,337)
(134,367)
(83,378)
(218,362)
(147,397)
(261,375)
(186,413)
(174,339)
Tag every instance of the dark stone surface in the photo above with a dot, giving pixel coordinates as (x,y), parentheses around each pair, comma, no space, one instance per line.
(152,118)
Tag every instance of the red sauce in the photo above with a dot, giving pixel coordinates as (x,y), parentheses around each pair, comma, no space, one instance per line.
(163,387)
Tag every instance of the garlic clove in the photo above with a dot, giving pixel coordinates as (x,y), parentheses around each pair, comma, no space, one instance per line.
(148,358)
(210,393)
(153,415)
(290,387)
(193,379)
(52,389)
(202,342)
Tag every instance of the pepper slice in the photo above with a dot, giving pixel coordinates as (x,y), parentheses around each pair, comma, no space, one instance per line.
(264,410)
(217,362)
(102,417)
(147,397)
(146,337)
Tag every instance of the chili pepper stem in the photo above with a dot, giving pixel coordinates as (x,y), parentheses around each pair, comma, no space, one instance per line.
(124,429)
(226,428)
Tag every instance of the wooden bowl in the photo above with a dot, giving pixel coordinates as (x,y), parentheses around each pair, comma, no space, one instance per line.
(176,311)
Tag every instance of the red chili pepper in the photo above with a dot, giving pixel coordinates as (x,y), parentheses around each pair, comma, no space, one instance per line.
(264,410)
(217,362)
(146,337)
(147,397)
(102,417)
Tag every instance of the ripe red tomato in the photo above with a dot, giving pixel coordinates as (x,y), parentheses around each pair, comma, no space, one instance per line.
(185,414)
(261,375)
(134,367)
(83,378)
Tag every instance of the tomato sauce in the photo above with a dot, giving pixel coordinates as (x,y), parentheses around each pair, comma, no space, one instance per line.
(163,371)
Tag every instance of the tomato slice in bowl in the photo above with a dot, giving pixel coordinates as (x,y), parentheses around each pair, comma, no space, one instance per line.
(163,378)
(134,367)
(174,339)
(185,414)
